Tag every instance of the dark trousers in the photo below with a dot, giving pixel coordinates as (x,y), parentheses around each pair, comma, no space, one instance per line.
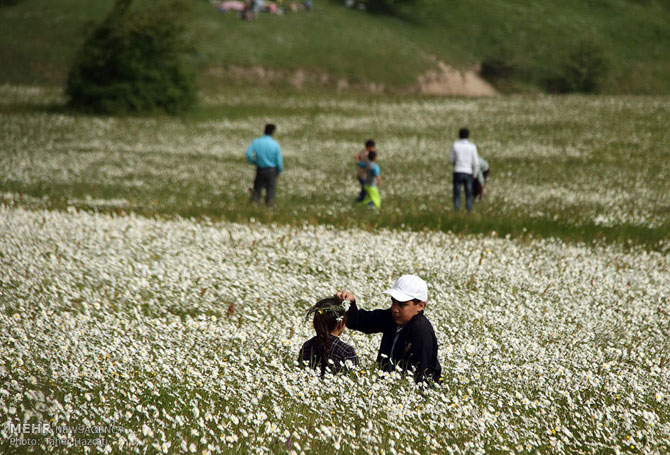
(477,187)
(362,193)
(266,177)
(461,178)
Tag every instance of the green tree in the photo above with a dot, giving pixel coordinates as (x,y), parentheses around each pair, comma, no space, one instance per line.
(389,6)
(134,62)
(583,68)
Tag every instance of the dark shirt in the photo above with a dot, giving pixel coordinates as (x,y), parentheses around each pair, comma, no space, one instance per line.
(415,346)
(339,353)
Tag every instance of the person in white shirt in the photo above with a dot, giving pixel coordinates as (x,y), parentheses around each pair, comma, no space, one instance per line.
(466,165)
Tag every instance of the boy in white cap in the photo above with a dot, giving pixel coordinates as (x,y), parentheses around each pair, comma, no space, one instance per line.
(408,340)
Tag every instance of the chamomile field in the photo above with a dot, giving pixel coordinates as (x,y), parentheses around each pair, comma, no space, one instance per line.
(576,167)
(146,307)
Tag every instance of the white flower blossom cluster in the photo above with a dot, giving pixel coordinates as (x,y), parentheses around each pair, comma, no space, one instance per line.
(185,335)
(580,160)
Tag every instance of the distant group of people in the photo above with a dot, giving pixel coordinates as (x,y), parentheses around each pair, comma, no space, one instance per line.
(470,170)
(248,9)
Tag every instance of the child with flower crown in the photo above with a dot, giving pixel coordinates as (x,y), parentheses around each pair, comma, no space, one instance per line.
(325,350)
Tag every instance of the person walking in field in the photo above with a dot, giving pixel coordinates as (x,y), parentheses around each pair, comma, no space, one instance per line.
(373,180)
(466,165)
(362,157)
(265,153)
(408,340)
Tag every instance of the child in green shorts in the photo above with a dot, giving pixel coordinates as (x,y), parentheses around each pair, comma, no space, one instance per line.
(372,180)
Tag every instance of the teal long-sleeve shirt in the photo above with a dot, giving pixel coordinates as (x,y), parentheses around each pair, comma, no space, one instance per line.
(265,152)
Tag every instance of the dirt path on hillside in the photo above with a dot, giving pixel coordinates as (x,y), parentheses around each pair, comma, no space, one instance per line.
(445,80)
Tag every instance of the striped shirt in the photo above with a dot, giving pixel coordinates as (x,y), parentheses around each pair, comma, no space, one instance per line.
(340,352)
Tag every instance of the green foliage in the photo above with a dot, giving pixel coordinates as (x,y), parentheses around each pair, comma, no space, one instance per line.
(387,6)
(408,9)
(500,64)
(134,62)
(333,43)
(584,68)
(392,7)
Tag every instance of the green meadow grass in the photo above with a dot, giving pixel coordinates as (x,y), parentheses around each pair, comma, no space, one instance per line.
(578,168)
(38,39)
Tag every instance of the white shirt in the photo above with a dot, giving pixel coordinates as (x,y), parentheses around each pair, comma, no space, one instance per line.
(464,157)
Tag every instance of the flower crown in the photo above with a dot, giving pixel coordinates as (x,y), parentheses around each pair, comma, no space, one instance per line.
(341,307)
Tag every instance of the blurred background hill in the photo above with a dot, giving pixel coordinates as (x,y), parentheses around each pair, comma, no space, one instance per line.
(607,46)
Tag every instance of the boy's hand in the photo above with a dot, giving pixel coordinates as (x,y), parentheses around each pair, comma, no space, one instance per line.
(345,295)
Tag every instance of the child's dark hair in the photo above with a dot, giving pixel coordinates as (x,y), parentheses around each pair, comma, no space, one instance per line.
(369,143)
(327,314)
(270,128)
(372,155)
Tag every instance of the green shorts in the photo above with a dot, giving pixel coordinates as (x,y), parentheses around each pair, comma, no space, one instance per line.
(372,195)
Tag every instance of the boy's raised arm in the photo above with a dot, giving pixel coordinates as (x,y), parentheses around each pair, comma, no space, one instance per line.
(374,321)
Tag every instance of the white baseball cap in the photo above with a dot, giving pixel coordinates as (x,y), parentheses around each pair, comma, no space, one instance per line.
(409,287)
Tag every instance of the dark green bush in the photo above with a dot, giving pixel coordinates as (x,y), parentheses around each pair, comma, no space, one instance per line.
(134,62)
(8,2)
(583,68)
(388,6)
(496,68)
(501,63)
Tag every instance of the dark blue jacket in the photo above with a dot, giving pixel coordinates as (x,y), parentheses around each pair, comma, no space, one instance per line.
(414,349)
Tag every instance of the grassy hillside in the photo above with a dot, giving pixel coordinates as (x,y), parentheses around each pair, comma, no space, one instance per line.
(526,42)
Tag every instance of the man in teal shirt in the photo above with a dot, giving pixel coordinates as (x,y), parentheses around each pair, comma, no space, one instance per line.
(265,153)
